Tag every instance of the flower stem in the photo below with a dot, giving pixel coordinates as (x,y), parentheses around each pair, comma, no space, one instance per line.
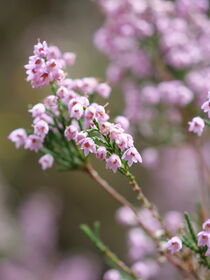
(107,252)
(144,200)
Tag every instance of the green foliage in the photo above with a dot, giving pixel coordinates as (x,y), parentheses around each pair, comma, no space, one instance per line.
(190,241)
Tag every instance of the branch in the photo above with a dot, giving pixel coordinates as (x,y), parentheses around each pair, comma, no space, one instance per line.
(94,237)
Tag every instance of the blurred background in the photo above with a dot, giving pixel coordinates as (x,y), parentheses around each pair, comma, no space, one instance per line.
(46,208)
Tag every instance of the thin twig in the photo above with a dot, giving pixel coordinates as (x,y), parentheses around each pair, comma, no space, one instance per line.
(123,201)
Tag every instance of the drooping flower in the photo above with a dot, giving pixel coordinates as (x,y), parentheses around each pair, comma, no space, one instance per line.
(113,163)
(101,153)
(197,125)
(33,142)
(88,146)
(71,132)
(37,110)
(18,136)
(46,161)
(206,105)
(206,225)
(203,238)
(123,121)
(174,244)
(41,128)
(132,155)
(41,49)
(80,137)
(90,113)
(76,111)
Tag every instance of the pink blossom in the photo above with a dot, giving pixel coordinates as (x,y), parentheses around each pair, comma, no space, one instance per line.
(101,114)
(132,155)
(141,269)
(150,94)
(90,113)
(62,92)
(101,153)
(206,225)
(81,136)
(203,238)
(122,121)
(84,100)
(113,163)
(33,143)
(103,89)
(41,128)
(74,101)
(174,244)
(146,269)
(54,52)
(45,117)
(51,101)
(116,131)
(68,83)
(66,94)
(124,141)
(76,111)
(71,132)
(174,220)
(105,127)
(112,274)
(139,244)
(37,110)
(88,146)
(125,216)
(69,58)
(46,161)
(206,107)
(88,85)
(197,125)
(18,136)
(41,49)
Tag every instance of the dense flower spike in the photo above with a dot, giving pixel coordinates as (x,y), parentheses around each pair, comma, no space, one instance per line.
(159,55)
(68,121)
(204,237)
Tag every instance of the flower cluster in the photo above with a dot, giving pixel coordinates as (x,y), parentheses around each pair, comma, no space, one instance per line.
(203,240)
(141,249)
(159,55)
(68,121)
(197,124)
(204,237)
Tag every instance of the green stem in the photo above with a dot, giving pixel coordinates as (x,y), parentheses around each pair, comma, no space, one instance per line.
(144,200)
(107,252)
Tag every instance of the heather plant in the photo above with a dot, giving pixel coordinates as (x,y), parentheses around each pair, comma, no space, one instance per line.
(68,126)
